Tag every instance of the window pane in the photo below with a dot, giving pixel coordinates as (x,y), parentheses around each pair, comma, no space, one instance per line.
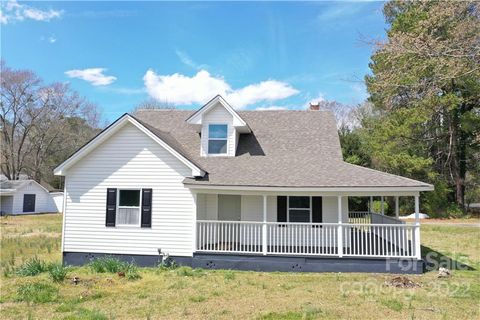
(128,216)
(299,202)
(299,215)
(129,198)
(217,131)
(217,146)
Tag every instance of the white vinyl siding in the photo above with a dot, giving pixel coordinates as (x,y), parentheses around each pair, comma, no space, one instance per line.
(252,208)
(218,115)
(129,160)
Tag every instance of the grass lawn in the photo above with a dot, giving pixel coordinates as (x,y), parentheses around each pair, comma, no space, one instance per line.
(205,294)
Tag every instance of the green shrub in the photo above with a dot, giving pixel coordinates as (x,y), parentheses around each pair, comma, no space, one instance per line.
(57,272)
(436,202)
(131,272)
(107,264)
(454,211)
(37,292)
(32,267)
(377,206)
(114,265)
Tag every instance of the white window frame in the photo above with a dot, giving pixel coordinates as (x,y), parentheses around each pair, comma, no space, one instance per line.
(288,208)
(208,139)
(129,207)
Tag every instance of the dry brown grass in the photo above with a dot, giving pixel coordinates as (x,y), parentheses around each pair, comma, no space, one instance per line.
(205,294)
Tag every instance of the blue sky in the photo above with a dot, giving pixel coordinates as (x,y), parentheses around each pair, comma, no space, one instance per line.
(258,55)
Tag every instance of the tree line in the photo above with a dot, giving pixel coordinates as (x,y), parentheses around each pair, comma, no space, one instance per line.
(422,119)
(41,125)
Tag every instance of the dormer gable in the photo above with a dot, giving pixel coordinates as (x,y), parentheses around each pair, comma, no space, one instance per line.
(220,127)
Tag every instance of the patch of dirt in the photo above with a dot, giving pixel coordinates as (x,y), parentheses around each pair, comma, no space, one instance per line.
(401,282)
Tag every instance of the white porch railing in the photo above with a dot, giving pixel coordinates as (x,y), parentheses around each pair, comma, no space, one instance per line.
(359,217)
(302,238)
(279,238)
(379,240)
(229,236)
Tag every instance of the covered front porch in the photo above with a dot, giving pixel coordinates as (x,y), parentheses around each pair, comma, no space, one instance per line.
(296,224)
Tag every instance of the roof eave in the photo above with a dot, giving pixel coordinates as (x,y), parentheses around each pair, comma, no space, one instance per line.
(378,189)
(109,131)
(239,124)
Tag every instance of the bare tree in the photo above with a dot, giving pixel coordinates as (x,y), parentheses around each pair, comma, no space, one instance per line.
(152,104)
(345,115)
(35,120)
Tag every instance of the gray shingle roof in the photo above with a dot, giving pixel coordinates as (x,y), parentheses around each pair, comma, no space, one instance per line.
(285,149)
(13,184)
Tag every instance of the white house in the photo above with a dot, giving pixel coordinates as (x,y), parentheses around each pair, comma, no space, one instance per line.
(217,188)
(28,197)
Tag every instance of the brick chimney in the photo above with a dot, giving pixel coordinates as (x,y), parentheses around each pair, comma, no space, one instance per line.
(314,106)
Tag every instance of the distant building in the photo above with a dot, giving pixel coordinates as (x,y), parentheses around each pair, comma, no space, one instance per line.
(28,197)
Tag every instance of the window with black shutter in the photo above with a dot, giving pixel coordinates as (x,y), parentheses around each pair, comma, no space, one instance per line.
(146,208)
(111,207)
(281,209)
(299,209)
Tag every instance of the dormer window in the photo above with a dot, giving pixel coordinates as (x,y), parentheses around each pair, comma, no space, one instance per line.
(217,139)
(220,127)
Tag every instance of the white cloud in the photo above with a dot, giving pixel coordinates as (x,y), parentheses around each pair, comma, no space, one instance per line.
(93,75)
(179,89)
(186,60)
(271,108)
(270,90)
(11,11)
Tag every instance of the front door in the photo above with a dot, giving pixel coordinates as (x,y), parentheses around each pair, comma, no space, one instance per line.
(229,207)
(28,203)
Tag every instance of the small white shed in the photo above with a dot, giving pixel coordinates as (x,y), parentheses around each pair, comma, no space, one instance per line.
(28,197)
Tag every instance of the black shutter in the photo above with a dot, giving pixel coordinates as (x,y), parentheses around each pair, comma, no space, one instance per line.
(317,210)
(111,207)
(146,208)
(281,209)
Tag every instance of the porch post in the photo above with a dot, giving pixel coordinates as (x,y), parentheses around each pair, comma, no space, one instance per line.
(418,253)
(383,207)
(195,198)
(396,207)
(264,227)
(340,227)
(371,204)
